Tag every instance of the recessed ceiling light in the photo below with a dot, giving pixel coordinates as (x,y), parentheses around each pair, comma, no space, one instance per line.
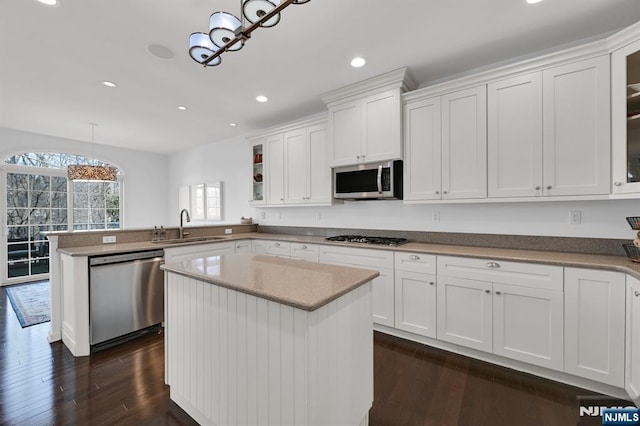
(109,83)
(49,2)
(533,1)
(233,124)
(358,62)
(262,98)
(182,107)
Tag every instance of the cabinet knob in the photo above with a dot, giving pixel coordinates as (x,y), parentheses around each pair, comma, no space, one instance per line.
(432,283)
(617,183)
(358,157)
(636,293)
(493,265)
(277,244)
(538,188)
(304,247)
(414,257)
(444,192)
(498,293)
(487,291)
(549,186)
(437,192)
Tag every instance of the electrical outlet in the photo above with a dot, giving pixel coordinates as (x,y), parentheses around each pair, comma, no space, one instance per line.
(263,215)
(317,215)
(435,216)
(109,240)
(228,230)
(575,216)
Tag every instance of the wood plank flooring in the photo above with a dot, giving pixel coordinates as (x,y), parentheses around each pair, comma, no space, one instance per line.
(42,384)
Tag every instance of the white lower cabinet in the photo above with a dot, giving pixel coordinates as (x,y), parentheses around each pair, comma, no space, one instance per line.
(415,293)
(632,366)
(177,254)
(383,285)
(278,248)
(308,252)
(511,309)
(594,324)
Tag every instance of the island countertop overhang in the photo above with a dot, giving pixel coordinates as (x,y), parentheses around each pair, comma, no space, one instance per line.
(297,283)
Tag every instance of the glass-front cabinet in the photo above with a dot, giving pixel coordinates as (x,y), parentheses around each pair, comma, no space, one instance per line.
(625,92)
(257,178)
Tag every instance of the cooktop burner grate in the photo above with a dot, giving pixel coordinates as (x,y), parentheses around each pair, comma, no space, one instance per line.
(385,241)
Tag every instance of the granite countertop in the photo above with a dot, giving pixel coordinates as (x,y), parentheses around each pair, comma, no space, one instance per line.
(594,261)
(296,283)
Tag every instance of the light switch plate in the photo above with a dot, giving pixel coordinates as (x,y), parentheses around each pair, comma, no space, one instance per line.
(228,230)
(575,216)
(109,239)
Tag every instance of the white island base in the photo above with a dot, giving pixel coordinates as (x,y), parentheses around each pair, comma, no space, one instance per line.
(237,359)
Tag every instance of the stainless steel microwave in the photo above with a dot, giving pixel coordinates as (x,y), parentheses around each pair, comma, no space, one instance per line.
(368,181)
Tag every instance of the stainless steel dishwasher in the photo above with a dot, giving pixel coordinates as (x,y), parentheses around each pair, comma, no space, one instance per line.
(126,296)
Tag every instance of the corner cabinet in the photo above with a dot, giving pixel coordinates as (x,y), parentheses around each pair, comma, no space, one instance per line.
(365,119)
(293,169)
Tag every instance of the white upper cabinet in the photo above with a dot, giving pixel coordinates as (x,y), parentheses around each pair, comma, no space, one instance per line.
(365,120)
(295,165)
(422,150)
(464,144)
(514,128)
(625,116)
(576,128)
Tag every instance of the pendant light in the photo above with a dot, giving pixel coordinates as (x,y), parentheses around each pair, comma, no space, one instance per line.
(87,172)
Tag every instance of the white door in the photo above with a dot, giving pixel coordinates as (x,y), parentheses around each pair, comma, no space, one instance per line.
(274,169)
(577,129)
(527,325)
(594,324)
(514,143)
(382,131)
(319,170)
(296,167)
(632,379)
(464,144)
(422,150)
(383,298)
(465,312)
(415,301)
(345,134)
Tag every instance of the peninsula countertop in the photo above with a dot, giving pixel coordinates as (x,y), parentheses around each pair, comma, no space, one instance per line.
(296,283)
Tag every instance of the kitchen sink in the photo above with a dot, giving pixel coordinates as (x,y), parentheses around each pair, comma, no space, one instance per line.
(189,240)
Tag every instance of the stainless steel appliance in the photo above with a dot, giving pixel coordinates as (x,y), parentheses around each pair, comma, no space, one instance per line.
(386,241)
(368,181)
(126,295)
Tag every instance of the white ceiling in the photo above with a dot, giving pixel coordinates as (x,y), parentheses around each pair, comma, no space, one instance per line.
(53,59)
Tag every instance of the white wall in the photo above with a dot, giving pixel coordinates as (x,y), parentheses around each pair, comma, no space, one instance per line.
(146,177)
(228,162)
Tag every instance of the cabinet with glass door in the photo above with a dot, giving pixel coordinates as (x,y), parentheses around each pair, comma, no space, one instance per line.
(257,179)
(625,92)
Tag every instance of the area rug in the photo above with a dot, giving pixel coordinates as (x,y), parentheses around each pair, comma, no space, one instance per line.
(30,302)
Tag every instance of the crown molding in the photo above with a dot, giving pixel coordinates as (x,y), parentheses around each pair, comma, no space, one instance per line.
(311,120)
(624,37)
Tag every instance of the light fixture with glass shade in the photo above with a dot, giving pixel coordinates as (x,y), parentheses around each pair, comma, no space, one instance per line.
(88,172)
(227,33)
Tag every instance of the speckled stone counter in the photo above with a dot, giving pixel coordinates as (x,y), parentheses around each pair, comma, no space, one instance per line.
(302,285)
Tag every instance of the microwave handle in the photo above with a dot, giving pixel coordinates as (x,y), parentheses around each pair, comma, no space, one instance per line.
(380,179)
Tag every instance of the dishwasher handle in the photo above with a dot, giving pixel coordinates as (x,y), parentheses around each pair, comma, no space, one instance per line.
(125,257)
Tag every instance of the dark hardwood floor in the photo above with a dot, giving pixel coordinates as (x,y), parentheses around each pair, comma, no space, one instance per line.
(42,384)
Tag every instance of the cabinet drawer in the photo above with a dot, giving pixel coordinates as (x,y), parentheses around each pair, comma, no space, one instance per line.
(375,259)
(499,271)
(278,248)
(307,252)
(415,262)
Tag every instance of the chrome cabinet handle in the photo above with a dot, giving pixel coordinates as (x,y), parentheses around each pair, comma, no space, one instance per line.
(379,179)
(493,265)
(414,257)
(617,183)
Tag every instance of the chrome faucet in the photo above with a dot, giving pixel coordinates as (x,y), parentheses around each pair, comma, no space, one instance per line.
(182,212)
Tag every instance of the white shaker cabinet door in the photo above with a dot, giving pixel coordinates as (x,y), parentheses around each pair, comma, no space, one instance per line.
(382,130)
(415,302)
(274,179)
(296,166)
(632,379)
(383,298)
(464,144)
(594,324)
(422,150)
(345,134)
(577,128)
(465,312)
(515,137)
(319,170)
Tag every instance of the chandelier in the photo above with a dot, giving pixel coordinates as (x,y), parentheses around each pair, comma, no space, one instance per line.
(227,33)
(88,172)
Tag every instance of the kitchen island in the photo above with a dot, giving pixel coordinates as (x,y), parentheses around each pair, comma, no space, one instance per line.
(254,339)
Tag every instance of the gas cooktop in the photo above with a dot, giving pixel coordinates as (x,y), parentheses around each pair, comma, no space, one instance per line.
(385,241)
